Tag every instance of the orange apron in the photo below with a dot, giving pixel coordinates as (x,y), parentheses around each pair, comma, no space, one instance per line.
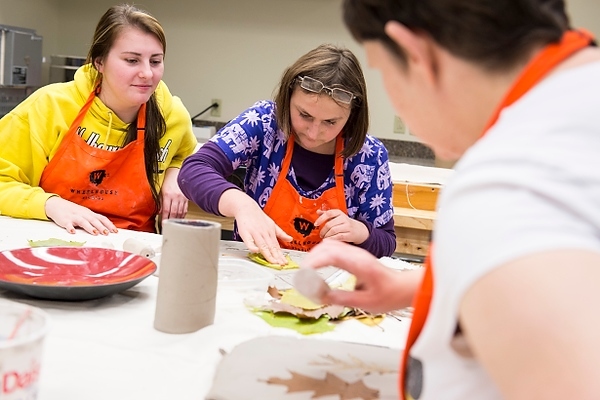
(296,214)
(544,62)
(111,183)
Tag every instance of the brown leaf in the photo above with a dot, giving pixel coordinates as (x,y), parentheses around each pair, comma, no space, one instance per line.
(274,292)
(332,311)
(330,385)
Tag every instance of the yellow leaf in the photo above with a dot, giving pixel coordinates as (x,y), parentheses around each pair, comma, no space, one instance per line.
(371,320)
(53,242)
(294,298)
(260,259)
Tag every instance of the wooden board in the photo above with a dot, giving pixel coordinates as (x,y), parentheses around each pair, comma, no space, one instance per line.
(416,219)
(421,196)
(412,241)
(413,230)
(195,212)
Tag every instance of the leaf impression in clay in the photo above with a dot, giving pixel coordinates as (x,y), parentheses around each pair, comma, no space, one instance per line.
(328,386)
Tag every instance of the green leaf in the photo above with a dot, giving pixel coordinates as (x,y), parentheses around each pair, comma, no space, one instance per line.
(304,326)
(53,242)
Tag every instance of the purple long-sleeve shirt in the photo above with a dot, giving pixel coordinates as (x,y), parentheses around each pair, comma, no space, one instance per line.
(203,180)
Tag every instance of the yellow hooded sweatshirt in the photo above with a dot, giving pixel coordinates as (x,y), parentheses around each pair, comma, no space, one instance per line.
(31,133)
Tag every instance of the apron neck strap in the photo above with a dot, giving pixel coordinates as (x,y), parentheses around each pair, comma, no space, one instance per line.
(544,62)
(141,121)
(141,116)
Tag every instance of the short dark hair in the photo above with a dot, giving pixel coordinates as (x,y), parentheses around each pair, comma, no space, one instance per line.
(335,67)
(495,34)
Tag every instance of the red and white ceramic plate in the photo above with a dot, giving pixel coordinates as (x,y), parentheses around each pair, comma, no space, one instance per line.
(71,273)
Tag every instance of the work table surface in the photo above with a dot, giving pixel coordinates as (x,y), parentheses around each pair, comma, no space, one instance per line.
(108,348)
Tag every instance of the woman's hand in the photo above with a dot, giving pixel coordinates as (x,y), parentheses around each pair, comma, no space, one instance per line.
(69,215)
(258,231)
(336,224)
(174,202)
(378,288)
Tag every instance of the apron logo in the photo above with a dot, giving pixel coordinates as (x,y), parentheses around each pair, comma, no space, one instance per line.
(303,226)
(96,177)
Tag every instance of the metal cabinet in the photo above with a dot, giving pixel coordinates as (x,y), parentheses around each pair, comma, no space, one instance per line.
(20,57)
(20,65)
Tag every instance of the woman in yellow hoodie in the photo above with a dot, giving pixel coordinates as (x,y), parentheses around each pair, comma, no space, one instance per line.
(103,151)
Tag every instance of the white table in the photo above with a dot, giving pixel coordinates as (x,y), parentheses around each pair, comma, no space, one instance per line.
(109,349)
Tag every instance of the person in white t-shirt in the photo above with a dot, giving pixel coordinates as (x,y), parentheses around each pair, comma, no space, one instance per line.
(507,305)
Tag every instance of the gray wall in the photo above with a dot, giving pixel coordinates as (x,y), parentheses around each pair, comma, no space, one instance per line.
(41,15)
(233,50)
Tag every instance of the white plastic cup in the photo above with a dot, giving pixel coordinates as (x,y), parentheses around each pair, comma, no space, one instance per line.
(22,332)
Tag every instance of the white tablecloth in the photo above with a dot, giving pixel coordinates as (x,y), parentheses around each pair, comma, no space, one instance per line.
(109,349)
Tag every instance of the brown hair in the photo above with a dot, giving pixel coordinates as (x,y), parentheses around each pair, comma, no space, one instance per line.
(110,26)
(496,34)
(335,67)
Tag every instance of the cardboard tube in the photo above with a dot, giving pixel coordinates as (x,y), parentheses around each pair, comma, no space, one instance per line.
(187,286)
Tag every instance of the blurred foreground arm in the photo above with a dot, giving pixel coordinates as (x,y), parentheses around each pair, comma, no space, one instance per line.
(534,325)
(378,288)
